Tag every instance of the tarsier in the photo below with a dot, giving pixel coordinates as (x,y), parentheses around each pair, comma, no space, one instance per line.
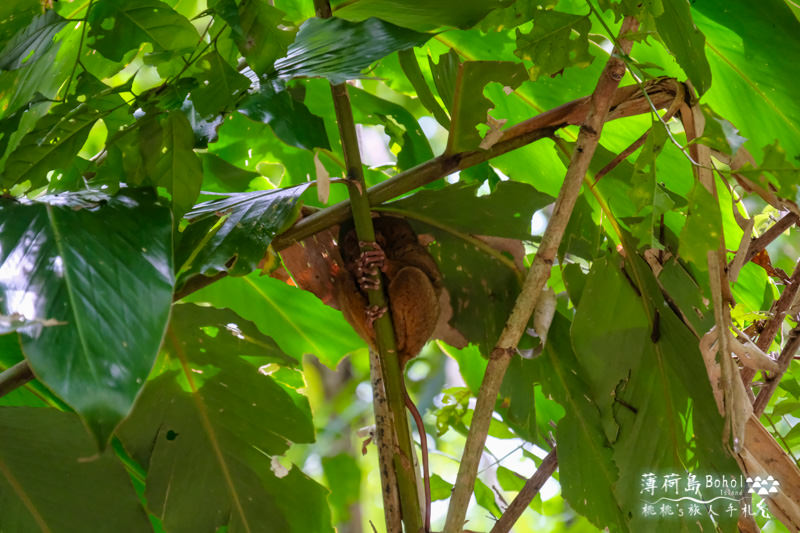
(412,282)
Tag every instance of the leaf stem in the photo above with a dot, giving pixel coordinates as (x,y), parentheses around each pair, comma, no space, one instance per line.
(598,107)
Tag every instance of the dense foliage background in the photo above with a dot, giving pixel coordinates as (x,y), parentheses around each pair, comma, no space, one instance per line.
(165,370)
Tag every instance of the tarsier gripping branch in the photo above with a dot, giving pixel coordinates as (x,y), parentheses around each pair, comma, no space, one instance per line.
(413,284)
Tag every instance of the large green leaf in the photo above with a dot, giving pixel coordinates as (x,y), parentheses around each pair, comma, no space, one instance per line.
(290,119)
(205,433)
(587,472)
(31,42)
(298,321)
(339,50)
(52,479)
(418,14)
(754,76)
(59,135)
(557,41)
(232,234)
(15,15)
(646,375)
(220,85)
(460,207)
(117,27)
(103,268)
(171,162)
(401,127)
(469,107)
(686,42)
(264,35)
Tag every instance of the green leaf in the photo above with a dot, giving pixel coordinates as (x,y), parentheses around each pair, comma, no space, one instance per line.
(264,36)
(15,15)
(509,480)
(172,163)
(339,50)
(445,77)
(440,489)
(103,267)
(461,208)
(587,472)
(410,65)
(484,496)
(119,27)
(649,196)
(232,234)
(418,14)
(45,450)
(400,125)
(298,321)
(469,107)
(344,480)
(519,12)
(703,227)
(59,135)
(685,42)
(290,119)
(205,433)
(31,42)
(222,177)
(220,85)
(748,69)
(552,44)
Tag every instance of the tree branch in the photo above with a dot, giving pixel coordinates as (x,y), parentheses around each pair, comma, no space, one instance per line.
(526,495)
(784,360)
(14,377)
(773,325)
(761,242)
(598,107)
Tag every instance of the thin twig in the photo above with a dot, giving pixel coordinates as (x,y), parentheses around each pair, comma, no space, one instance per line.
(784,360)
(762,241)
(598,107)
(14,377)
(526,495)
(778,314)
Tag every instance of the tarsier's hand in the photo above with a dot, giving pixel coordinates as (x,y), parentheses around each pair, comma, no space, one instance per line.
(411,278)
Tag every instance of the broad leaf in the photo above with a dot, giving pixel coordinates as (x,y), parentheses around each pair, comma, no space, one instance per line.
(417,14)
(205,433)
(103,268)
(220,85)
(31,42)
(403,130)
(45,450)
(587,472)
(59,135)
(685,42)
(703,227)
(469,107)
(264,35)
(339,50)
(296,319)
(232,234)
(171,162)
(117,27)
(552,44)
(290,119)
